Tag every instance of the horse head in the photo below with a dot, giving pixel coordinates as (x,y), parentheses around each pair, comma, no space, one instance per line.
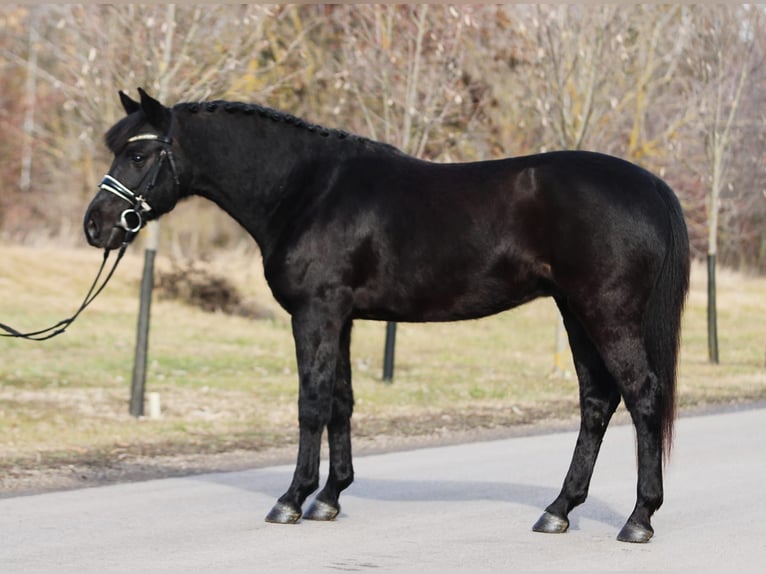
(145,177)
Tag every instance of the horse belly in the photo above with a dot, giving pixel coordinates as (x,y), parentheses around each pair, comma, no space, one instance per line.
(446,295)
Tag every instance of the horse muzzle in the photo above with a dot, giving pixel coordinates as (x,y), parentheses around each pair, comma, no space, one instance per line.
(127,223)
(108,232)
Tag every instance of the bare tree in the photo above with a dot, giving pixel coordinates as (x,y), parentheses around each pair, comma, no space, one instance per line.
(723,62)
(652,58)
(569,71)
(596,75)
(401,67)
(25,178)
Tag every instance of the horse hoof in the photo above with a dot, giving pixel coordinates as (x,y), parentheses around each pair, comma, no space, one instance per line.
(320,510)
(283,513)
(551,524)
(635,533)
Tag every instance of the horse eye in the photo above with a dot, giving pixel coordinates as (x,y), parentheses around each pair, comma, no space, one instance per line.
(137,158)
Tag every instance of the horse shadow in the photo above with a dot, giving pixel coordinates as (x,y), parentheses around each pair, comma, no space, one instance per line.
(272,483)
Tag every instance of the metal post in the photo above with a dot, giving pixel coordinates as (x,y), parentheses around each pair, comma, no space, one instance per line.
(138,384)
(712,311)
(388,352)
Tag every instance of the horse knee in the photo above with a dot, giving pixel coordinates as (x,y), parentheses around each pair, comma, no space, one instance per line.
(341,411)
(309,485)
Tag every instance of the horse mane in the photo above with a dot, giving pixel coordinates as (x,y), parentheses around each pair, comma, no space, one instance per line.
(250,109)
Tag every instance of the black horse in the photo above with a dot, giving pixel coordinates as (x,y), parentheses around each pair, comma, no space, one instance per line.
(352,228)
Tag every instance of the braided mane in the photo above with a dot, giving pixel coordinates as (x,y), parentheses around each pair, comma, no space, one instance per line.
(272,114)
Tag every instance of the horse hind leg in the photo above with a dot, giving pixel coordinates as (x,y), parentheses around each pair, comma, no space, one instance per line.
(624,353)
(599,398)
(643,398)
(325,506)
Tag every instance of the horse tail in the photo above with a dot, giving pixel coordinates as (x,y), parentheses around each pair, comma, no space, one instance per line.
(662,319)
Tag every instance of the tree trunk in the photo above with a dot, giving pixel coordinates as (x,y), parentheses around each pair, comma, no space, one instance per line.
(25,178)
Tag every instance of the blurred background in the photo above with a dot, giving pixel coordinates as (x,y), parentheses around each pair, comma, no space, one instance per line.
(678,89)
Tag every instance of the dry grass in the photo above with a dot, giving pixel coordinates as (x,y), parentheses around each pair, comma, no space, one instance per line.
(227,382)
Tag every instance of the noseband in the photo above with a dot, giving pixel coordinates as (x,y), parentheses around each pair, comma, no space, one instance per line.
(132,219)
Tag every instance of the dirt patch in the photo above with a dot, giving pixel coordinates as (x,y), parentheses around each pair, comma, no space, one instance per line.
(191,282)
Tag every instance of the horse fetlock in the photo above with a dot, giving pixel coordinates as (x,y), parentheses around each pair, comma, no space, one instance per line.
(345,480)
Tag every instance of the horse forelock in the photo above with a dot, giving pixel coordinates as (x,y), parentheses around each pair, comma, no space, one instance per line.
(118,134)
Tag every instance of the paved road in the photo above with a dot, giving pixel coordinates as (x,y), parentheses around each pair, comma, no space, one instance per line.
(466,508)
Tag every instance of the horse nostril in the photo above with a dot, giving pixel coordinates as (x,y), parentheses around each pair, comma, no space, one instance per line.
(92,228)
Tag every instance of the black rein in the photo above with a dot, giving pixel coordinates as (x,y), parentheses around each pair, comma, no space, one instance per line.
(61,326)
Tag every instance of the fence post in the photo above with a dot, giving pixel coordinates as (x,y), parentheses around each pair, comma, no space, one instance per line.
(138,383)
(388,352)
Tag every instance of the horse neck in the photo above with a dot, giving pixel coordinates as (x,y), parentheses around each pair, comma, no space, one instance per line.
(250,165)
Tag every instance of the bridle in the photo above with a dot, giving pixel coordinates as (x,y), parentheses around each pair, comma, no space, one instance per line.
(131,221)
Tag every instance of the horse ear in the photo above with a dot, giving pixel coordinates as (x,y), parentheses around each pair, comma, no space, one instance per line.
(129,103)
(156,113)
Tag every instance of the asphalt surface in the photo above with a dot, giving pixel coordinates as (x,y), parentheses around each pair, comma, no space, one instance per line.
(465,508)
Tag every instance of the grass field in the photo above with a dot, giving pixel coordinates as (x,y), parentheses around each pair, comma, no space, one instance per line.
(228,382)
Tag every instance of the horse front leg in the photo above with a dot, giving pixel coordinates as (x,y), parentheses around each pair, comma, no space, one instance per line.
(325,505)
(316,333)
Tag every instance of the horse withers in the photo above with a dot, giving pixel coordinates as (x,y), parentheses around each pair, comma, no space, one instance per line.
(351,228)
